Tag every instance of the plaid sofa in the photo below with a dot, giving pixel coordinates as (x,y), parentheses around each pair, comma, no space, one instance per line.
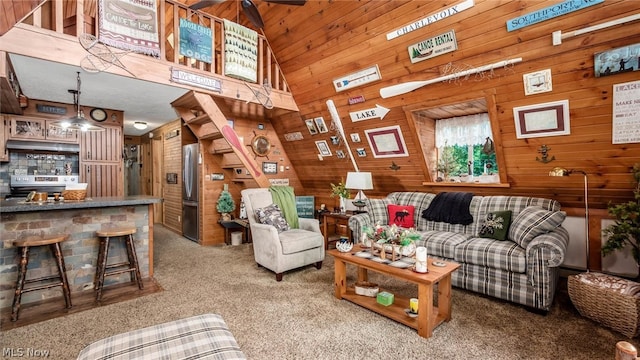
(521,269)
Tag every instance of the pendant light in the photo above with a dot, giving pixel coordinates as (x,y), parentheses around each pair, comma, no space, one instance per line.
(78,122)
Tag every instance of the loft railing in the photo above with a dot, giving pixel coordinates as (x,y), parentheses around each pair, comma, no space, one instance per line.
(80,16)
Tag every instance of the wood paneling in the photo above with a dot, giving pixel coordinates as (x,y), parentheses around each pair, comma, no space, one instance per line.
(172,163)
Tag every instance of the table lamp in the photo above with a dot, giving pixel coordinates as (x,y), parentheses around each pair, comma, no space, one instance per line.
(359,181)
(558,171)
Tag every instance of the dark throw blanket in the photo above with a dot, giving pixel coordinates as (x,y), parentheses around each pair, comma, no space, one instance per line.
(450,207)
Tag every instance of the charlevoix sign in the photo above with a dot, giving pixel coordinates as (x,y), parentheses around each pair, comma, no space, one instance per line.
(437,16)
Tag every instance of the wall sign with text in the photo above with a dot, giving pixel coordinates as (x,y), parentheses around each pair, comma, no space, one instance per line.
(357,78)
(550,12)
(432,47)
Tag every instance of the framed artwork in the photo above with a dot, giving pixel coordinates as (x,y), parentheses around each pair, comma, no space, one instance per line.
(269,168)
(340,154)
(537,82)
(311,126)
(361,152)
(386,142)
(617,61)
(322,127)
(355,137)
(323,148)
(335,140)
(545,119)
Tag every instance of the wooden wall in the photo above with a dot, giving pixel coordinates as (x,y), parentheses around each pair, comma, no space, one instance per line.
(172,163)
(350,36)
(211,232)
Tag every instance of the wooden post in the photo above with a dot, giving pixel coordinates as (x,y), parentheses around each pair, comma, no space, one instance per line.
(625,351)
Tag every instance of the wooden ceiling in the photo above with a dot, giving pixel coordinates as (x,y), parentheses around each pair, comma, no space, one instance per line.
(324,40)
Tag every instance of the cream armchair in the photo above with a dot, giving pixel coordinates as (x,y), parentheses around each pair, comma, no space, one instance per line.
(280,252)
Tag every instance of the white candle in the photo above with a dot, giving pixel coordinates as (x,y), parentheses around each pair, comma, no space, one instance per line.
(421,253)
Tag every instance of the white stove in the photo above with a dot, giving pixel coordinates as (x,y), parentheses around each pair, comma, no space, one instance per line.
(22,185)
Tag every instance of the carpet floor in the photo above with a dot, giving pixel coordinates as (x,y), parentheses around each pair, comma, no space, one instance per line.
(299,318)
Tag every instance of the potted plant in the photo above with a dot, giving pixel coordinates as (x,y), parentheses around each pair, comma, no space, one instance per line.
(341,192)
(625,232)
(225,204)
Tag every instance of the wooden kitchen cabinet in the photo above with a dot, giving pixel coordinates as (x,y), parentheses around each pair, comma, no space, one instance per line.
(25,128)
(57,133)
(101,165)
(102,179)
(105,146)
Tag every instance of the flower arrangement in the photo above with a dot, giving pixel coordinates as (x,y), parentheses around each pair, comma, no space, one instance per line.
(340,190)
(391,234)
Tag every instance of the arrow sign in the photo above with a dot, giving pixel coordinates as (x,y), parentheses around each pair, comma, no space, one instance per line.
(376,112)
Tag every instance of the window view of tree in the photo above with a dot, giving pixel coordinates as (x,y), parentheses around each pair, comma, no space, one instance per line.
(464,148)
(479,163)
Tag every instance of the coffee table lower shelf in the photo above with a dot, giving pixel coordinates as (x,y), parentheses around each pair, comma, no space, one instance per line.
(395,311)
(432,311)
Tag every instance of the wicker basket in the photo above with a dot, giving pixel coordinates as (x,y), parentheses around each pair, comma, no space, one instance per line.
(620,312)
(74,194)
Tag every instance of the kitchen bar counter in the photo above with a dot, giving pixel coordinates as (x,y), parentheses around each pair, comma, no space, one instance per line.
(17,205)
(80,220)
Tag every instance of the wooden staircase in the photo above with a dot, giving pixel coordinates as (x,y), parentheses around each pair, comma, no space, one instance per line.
(207,116)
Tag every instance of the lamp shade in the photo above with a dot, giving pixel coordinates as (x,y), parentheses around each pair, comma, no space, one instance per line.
(359,181)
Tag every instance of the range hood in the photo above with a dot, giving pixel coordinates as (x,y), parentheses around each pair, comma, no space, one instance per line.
(42,146)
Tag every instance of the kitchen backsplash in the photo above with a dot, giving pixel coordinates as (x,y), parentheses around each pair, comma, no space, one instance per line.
(30,163)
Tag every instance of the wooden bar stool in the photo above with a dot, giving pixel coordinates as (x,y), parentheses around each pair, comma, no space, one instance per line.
(23,247)
(104,269)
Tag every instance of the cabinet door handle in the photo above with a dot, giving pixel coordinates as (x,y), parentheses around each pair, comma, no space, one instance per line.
(88,155)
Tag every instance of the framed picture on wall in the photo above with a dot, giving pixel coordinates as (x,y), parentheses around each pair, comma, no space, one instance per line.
(323,148)
(545,119)
(386,142)
(617,61)
(311,126)
(322,127)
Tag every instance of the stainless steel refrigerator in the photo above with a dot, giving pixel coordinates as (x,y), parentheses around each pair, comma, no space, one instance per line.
(190,176)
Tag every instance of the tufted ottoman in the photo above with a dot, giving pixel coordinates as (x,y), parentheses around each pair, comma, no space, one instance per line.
(199,337)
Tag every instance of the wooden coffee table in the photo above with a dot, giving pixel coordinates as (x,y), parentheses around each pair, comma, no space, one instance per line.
(429,315)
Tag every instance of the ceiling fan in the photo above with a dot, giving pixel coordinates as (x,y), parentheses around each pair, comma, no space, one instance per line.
(248,7)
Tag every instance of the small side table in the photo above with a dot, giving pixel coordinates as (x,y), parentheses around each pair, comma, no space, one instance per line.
(335,226)
(236,224)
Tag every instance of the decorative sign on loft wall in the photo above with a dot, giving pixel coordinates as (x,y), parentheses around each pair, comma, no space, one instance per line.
(357,78)
(240,52)
(626,112)
(129,25)
(432,47)
(437,16)
(617,61)
(550,12)
(195,41)
(187,78)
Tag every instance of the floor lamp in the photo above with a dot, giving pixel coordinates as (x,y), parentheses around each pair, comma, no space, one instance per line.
(558,171)
(359,181)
